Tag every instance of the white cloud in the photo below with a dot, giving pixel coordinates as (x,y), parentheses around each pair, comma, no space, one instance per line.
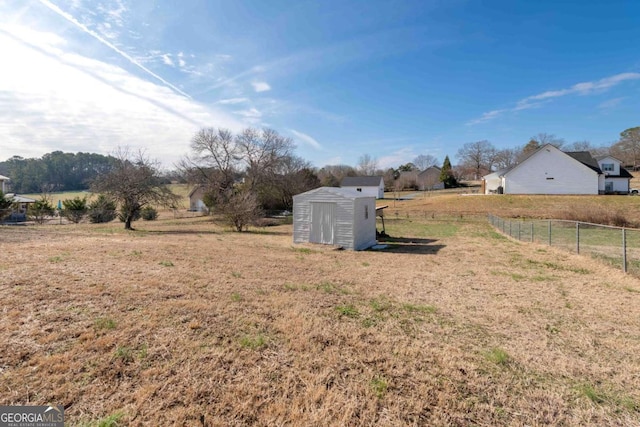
(251,113)
(53,99)
(611,103)
(583,88)
(306,139)
(166,58)
(233,101)
(399,157)
(261,86)
(486,117)
(110,45)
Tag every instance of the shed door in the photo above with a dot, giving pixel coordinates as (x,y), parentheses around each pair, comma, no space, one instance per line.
(323,219)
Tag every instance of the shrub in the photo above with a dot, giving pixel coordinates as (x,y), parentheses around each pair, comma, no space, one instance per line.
(5,206)
(101,210)
(74,209)
(40,210)
(149,214)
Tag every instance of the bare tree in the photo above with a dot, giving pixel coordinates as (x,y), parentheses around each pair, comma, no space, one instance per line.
(262,152)
(332,175)
(367,165)
(241,209)
(478,156)
(214,160)
(628,147)
(134,182)
(578,146)
(544,138)
(425,161)
(507,158)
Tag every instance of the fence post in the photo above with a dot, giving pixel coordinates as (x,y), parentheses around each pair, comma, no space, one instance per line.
(624,249)
(510,229)
(577,237)
(532,232)
(549,232)
(519,234)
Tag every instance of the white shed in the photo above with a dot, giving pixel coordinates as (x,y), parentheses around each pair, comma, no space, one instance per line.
(335,216)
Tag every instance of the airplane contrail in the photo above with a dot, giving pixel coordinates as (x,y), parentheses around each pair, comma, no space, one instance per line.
(105,42)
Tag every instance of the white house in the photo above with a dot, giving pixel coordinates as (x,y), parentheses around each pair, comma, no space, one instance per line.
(335,216)
(549,170)
(367,185)
(615,178)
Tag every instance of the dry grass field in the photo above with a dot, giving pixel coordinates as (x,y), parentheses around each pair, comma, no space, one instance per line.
(186,323)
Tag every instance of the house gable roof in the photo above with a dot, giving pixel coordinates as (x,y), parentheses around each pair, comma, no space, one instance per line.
(361,181)
(430,169)
(624,173)
(583,157)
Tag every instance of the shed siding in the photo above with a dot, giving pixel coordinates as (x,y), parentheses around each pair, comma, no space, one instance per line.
(549,171)
(348,231)
(364,224)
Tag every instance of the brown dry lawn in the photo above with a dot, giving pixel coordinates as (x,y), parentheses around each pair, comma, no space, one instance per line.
(185,323)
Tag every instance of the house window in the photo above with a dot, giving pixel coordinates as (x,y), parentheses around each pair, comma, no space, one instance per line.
(607,167)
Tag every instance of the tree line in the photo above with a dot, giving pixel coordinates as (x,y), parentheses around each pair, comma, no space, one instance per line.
(56,171)
(244,174)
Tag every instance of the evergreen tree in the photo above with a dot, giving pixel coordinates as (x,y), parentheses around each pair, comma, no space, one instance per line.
(446,174)
(5,206)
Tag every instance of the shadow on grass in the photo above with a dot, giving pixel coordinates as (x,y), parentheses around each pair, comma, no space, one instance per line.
(266,232)
(176,232)
(408,245)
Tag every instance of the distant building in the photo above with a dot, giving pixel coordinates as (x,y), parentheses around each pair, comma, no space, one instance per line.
(367,185)
(429,179)
(549,170)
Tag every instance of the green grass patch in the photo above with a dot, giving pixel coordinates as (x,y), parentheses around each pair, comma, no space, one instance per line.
(104,323)
(348,310)
(124,353)
(379,385)
(332,288)
(253,342)
(236,297)
(305,251)
(591,393)
(166,263)
(289,287)
(113,420)
(380,304)
(498,356)
(419,308)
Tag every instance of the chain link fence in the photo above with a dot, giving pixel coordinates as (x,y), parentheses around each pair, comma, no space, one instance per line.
(617,246)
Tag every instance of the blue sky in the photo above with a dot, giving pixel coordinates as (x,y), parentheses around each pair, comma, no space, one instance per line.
(392,79)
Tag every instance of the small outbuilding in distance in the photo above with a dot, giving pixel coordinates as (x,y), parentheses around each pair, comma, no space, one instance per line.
(335,216)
